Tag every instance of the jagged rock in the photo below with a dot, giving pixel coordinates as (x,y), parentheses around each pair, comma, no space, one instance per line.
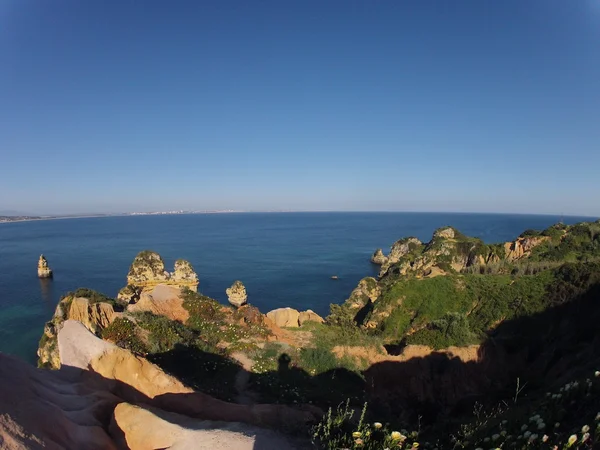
(95,316)
(148,270)
(367,291)
(309,316)
(522,247)
(236,294)
(184,274)
(129,294)
(445,233)
(398,250)
(163,300)
(378,257)
(285,317)
(44,270)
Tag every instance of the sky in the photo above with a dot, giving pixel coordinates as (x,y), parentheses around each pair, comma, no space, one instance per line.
(470,106)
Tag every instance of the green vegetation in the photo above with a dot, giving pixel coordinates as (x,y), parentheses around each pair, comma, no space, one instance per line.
(124,334)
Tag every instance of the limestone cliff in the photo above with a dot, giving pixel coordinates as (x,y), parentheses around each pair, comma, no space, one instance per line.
(105,397)
(148,270)
(292,318)
(43,269)
(236,294)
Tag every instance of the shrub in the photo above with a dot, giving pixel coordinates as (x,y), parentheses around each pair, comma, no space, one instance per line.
(123,333)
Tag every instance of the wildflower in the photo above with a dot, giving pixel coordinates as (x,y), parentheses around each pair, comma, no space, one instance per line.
(519,437)
(541,425)
(598,416)
(487,439)
(504,422)
(415,444)
(524,427)
(356,434)
(534,418)
(557,424)
(495,437)
(359,442)
(597,373)
(585,437)
(572,439)
(478,448)
(533,437)
(396,436)
(544,438)
(527,434)
(377,425)
(585,429)
(503,433)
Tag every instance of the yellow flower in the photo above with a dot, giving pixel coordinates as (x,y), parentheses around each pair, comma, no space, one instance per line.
(356,434)
(415,444)
(396,436)
(377,425)
(572,439)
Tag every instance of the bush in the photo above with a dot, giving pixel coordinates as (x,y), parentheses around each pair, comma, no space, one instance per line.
(164,334)
(123,333)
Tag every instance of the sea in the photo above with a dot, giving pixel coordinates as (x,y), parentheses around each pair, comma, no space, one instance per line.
(283,259)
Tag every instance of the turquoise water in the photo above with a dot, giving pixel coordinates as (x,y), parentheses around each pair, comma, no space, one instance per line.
(284,259)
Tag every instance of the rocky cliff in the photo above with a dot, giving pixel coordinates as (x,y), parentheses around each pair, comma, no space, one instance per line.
(148,270)
(43,268)
(105,397)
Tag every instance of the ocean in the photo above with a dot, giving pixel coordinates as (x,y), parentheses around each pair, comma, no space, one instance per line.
(284,259)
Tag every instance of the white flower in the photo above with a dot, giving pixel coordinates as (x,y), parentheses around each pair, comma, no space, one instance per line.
(557,424)
(533,437)
(503,433)
(495,437)
(504,422)
(544,438)
(396,436)
(377,425)
(572,439)
(541,425)
(524,427)
(487,439)
(534,418)
(598,416)
(585,437)
(527,434)
(519,437)
(585,429)
(597,373)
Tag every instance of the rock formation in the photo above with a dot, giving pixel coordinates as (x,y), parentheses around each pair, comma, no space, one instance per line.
(289,317)
(367,291)
(44,270)
(129,294)
(236,294)
(148,271)
(105,398)
(94,316)
(378,257)
(163,300)
(522,247)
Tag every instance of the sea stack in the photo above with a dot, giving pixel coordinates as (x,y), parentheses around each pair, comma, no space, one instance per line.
(44,270)
(236,294)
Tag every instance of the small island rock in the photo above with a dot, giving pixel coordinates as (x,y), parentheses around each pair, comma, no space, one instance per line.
(236,294)
(378,257)
(44,270)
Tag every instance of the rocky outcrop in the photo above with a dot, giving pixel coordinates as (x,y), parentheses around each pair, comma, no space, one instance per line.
(367,291)
(400,249)
(129,294)
(289,317)
(378,257)
(43,269)
(163,300)
(104,397)
(309,316)
(148,270)
(95,316)
(236,294)
(522,247)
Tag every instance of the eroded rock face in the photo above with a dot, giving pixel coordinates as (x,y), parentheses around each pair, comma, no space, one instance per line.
(522,247)
(289,317)
(163,300)
(309,316)
(367,291)
(129,294)
(236,294)
(398,250)
(95,316)
(378,257)
(148,271)
(71,408)
(43,269)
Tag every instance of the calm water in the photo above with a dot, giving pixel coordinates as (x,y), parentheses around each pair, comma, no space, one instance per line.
(284,259)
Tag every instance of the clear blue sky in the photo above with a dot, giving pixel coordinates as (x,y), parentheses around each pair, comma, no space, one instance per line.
(121,105)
